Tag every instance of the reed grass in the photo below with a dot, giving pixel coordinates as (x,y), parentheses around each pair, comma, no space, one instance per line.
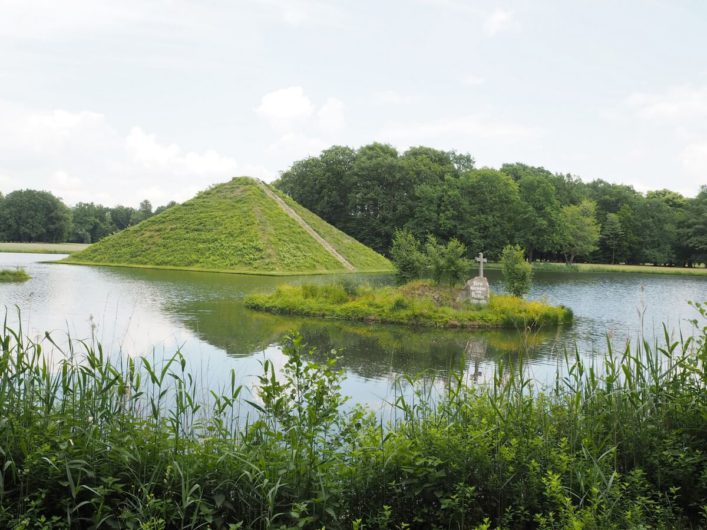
(87,441)
(13,275)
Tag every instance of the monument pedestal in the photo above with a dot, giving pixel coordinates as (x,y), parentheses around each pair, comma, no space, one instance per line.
(476,291)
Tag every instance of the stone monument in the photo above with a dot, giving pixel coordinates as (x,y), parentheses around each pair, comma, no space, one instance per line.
(476,290)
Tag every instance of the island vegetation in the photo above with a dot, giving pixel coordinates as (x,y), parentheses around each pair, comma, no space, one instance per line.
(135,443)
(13,275)
(418,303)
(242,226)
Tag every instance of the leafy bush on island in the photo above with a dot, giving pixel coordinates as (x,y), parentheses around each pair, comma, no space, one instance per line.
(517,273)
(90,442)
(419,303)
(445,263)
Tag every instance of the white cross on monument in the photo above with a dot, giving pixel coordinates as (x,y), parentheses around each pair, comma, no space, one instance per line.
(481,259)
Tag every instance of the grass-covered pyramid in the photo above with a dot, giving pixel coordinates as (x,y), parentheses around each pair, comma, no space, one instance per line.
(241,226)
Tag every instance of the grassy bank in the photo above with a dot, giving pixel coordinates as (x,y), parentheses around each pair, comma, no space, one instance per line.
(417,303)
(606,267)
(13,275)
(86,442)
(43,248)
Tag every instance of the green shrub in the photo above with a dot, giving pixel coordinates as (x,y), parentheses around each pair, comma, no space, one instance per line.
(517,272)
(407,256)
(448,263)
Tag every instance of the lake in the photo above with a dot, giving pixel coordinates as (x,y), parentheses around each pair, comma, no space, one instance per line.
(155,312)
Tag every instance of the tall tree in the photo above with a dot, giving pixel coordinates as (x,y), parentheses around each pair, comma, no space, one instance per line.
(695,227)
(539,217)
(612,234)
(31,215)
(489,205)
(580,231)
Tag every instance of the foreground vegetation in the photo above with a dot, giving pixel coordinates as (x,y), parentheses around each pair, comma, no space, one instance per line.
(418,303)
(13,275)
(43,248)
(87,442)
(232,227)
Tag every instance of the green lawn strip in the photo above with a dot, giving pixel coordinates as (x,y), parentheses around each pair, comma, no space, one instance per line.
(13,275)
(43,248)
(606,267)
(417,303)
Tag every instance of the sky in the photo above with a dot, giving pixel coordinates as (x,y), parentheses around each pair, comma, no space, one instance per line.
(115,102)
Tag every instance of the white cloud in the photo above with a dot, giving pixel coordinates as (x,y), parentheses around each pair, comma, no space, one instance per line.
(81,157)
(307,12)
(676,103)
(694,159)
(498,21)
(291,113)
(145,150)
(473,80)
(392,97)
(295,146)
(331,115)
(284,107)
(463,126)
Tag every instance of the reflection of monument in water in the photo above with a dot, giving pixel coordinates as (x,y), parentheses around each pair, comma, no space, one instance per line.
(476,350)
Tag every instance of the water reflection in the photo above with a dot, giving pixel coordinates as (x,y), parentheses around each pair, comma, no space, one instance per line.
(136,311)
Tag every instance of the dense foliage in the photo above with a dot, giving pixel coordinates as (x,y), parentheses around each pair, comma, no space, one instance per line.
(233,227)
(86,442)
(444,263)
(29,215)
(373,191)
(517,272)
(39,216)
(417,303)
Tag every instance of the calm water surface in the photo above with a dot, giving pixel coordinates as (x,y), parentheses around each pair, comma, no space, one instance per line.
(139,312)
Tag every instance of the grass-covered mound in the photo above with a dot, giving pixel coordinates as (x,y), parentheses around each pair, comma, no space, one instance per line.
(86,442)
(13,275)
(233,227)
(418,303)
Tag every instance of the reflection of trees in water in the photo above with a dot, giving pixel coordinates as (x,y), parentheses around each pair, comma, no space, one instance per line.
(370,351)
(378,351)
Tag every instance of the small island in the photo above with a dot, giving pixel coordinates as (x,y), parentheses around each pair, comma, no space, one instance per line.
(13,275)
(418,303)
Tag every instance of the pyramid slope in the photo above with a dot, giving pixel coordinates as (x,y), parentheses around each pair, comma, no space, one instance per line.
(234,227)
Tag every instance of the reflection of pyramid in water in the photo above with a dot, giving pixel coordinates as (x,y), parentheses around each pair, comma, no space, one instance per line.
(241,226)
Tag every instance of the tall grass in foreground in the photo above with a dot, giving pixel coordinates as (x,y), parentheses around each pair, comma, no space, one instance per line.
(86,442)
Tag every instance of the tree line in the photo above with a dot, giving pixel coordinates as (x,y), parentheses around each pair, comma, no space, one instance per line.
(374,191)
(39,216)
